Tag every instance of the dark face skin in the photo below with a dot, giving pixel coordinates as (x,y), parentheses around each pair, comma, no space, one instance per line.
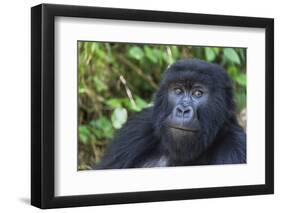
(185,99)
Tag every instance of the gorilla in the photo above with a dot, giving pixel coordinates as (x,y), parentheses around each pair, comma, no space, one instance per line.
(192,122)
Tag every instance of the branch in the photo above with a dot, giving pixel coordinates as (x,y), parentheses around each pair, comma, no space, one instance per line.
(128,91)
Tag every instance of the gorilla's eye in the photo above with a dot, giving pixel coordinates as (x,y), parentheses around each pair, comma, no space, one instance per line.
(178,91)
(197,93)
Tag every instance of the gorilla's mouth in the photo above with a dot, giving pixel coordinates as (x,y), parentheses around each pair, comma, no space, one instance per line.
(184,129)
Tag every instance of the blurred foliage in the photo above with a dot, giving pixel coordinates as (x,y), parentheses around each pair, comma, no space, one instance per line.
(116,80)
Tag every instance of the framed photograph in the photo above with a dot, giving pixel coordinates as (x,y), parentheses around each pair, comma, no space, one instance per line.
(139,106)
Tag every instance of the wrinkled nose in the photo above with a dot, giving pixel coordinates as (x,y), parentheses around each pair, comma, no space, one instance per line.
(184,111)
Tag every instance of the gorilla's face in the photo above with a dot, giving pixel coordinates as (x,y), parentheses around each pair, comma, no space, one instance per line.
(185,124)
(192,105)
(185,98)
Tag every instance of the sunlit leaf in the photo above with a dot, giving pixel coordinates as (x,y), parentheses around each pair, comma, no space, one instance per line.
(119,117)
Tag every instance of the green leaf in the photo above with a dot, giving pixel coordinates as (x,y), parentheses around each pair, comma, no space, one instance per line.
(102,122)
(127,103)
(241,79)
(136,53)
(99,84)
(231,55)
(210,54)
(98,133)
(119,117)
(84,134)
(102,127)
(150,54)
(114,102)
(242,52)
(175,51)
(99,53)
(157,53)
(140,103)
(93,47)
(232,71)
(167,58)
(216,50)
(198,52)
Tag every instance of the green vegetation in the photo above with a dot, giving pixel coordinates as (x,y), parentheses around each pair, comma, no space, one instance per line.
(117,80)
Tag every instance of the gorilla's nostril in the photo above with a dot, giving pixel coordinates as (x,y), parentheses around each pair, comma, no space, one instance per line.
(188,112)
(179,112)
(184,112)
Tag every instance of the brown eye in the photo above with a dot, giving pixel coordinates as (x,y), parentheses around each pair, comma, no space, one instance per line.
(197,93)
(178,91)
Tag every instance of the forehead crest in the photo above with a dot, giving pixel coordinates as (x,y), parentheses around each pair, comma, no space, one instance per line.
(196,71)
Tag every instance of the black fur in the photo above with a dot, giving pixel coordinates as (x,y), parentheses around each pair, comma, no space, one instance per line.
(144,139)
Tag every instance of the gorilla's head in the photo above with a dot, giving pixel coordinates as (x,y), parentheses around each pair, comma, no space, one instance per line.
(194,102)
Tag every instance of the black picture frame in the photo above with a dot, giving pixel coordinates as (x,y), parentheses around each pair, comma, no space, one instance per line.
(43,105)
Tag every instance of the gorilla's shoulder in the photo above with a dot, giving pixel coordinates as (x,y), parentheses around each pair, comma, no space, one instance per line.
(143,116)
(232,147)
(132,142)
(138,124)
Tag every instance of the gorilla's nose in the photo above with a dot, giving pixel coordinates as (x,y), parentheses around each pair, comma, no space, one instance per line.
(185,111)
